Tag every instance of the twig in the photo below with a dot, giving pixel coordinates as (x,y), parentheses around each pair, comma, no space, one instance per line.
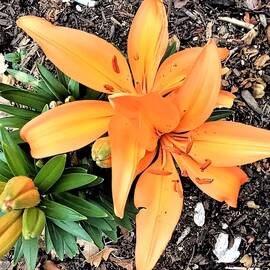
(169,8)
(236,22)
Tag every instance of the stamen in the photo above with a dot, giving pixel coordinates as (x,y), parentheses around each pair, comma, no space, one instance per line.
(189,145)
(115,64)
(205,165)
(202,181)
(159,172)
(108,87)
(177,188)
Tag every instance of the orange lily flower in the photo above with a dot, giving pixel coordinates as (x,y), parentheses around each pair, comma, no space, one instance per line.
(100,66)
(156,109)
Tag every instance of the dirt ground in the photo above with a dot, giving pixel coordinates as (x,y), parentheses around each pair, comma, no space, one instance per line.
(247,69)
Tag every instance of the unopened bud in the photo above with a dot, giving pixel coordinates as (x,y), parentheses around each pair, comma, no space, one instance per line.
(19,193)
(101,152)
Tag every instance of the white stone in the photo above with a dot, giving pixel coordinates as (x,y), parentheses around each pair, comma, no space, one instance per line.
(199,214)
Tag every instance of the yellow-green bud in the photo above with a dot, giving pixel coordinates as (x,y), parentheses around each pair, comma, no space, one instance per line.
(101,152)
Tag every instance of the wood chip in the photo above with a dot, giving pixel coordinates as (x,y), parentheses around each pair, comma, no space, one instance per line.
(246,260)
(49,265)
(250,100)
(180,3)
(253,205)
(248,37)
(261,61)
(237,22)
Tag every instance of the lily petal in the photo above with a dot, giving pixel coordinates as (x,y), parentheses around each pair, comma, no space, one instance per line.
(229,144)
(161,199)
(67,127)
(225,99)
(147,43)
(174,70)
(222,184)
(126,154)
(149,114)
(84,57)
(198,96)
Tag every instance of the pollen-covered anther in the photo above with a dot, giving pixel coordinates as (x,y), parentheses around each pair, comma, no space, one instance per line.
(108,87)
(205,165)
(189,145)
(115,65)
(203,181)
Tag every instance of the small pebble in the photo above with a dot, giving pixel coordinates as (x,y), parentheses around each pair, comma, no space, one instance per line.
(78,8)
(224,226)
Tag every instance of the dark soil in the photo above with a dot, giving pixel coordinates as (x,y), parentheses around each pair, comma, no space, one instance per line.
(111,20)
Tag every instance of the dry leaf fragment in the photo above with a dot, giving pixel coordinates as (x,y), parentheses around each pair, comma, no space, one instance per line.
(258,88)
(97,258)
(249,36)
(260,61)
(180,3)
(49,265)
(252,204)
(268,33)
(127,264)
(246,260)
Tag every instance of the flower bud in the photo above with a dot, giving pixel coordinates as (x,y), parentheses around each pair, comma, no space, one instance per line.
(33,222)
(101,152)
(19,193)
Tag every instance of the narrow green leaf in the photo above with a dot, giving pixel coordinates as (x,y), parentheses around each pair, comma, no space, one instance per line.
(86,208)
(94,233)
(72,181)
(30,252)
(59,211)
(73,228)
(20,112)
(70,244)
(74,88)
(27,98)
(50,173)
(48,239)
(99,223)
(5,170)
(62,77)
(220,114)
(170,50)
(13,122)
(14,57)
(112,235)
(55,86)
(43,90)
(16,158)
(56,239)
(18,251)
(75,170)
(23,77)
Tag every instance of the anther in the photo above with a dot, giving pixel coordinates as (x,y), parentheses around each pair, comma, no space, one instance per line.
(202,181)
(205,165)
(108,87)
(189,145)
(115,64)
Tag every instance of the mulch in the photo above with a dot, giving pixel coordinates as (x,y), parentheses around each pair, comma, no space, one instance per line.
(191,24)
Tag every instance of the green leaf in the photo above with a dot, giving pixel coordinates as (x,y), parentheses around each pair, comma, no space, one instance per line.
(94,233)
(50,173)
(219,114)
(72,181)
(43,90)
(59,211)
(85,207)
(55,86)
(99,223)
(56,239)
(30,252)
(48,239)
(75,170)
(13,57)
(112,235)
(96,182)
(74,88)
(18,251)
(70,244)
(27,98)
(23,77)
(16,158)
(170,50)
(12,122)
(20,112)
(62,77)
(73,228)
(5,172)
